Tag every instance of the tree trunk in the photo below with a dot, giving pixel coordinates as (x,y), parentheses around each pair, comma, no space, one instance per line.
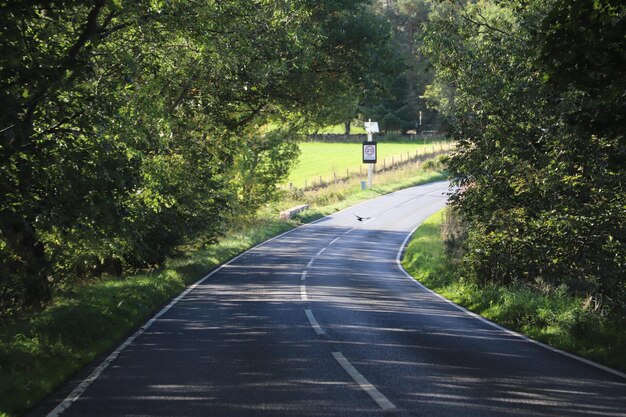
(347,126)
(33,268)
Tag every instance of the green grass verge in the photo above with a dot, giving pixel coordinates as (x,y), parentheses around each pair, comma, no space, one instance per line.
(40,351)
(555,318)
(323,159)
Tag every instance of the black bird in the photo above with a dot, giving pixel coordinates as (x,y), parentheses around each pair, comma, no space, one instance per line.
(359,218)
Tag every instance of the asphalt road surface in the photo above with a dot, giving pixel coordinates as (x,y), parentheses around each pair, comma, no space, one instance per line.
(322,322)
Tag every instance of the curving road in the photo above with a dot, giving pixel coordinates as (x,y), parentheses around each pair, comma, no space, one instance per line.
(321,321)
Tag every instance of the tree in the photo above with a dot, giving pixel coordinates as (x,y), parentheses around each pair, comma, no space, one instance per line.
(125,126)
(399,105)
(539,164)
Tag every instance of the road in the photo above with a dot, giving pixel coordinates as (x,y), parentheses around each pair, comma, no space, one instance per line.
(321,321)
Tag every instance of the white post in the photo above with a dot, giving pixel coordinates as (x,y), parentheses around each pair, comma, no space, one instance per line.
(370,170)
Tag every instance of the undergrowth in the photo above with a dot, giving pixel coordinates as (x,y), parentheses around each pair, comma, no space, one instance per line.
(554,317)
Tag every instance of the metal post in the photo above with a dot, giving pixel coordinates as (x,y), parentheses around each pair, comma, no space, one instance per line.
(370,168)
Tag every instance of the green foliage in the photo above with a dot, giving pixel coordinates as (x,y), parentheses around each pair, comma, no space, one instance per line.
(541,140)
(552,316)
(130,128)
(398,107)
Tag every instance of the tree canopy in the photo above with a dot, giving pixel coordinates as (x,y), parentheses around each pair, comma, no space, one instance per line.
(535,91)
(129,128)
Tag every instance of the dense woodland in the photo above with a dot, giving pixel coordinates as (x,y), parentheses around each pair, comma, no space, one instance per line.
(130,128)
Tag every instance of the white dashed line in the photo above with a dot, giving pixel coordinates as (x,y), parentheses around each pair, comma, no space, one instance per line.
(303,295)
(303,276)
(320,252)
(334,240)
(316,326)
(365,385)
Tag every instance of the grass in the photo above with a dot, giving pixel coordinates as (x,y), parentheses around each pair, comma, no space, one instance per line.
(555,318)
(323,159)
(40,351)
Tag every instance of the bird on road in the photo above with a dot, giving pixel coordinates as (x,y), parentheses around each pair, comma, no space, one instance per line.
(359,218)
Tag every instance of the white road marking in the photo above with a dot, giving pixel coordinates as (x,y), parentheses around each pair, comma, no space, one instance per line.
(320,252)
(303,295)
(365,385)
(303,276)
(492,324)
(388,211)
(310,263)
(82,387)
(316,326)
(334,240)
(407,202)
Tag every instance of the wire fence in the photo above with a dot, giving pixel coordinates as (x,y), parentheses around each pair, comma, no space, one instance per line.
(418,156)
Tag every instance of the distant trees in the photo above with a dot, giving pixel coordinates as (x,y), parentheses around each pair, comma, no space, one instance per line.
(398,107)
(128,128)
(536,93)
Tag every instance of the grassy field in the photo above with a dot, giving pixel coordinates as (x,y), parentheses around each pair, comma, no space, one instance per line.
(555,318)
(323,159)
(40,351)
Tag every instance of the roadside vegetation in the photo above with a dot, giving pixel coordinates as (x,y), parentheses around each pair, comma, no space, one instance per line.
(539,161)
(550,315)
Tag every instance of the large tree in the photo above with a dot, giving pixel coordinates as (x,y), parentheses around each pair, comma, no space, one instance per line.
(125,127)
(536,91)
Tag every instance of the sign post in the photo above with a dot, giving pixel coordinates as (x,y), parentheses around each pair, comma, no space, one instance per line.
(369,150)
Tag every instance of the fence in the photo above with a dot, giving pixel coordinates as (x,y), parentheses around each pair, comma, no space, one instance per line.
(387,164)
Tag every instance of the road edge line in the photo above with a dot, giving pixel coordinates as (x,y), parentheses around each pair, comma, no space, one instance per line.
(491,323)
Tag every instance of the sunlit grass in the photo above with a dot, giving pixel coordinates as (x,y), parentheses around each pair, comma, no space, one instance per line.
(556,318)
(328,160)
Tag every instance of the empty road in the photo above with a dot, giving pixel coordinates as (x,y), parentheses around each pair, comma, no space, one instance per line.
(322,322)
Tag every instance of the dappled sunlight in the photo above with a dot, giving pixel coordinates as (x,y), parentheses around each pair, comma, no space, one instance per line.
(245,340)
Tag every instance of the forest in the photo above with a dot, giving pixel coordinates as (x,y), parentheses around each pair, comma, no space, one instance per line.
(128,129)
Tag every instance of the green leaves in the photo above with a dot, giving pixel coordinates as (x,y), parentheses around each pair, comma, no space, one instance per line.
(130,128)
(529,88)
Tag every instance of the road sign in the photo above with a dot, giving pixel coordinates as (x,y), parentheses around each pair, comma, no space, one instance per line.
(369,152)
(371,127)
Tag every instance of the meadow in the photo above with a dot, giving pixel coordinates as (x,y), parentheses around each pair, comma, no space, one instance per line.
(341,160)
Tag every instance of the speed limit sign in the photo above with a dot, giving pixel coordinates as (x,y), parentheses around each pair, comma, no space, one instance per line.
(369,152)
